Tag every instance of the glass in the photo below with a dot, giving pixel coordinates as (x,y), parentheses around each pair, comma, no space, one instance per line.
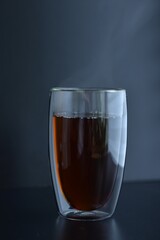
(87,146)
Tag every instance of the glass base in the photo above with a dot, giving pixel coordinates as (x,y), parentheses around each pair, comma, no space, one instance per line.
(86,215)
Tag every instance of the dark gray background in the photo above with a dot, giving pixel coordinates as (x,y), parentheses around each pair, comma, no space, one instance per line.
(85,43)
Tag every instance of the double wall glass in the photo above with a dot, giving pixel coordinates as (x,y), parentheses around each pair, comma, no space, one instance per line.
(87,147)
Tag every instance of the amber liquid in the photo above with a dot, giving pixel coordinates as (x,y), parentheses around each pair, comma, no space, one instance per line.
(86,170)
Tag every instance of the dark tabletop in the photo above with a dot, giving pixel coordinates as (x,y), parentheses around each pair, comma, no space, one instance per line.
(31,214)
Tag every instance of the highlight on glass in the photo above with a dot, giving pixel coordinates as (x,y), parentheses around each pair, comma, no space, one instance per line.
(87,147)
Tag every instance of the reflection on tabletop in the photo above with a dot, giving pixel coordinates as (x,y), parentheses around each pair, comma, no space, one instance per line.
(67,230)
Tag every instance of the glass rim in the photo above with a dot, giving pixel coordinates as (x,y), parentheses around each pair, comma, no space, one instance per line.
(72,89)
